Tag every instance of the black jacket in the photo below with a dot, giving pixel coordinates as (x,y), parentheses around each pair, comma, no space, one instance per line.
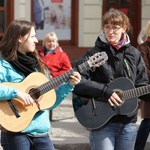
(125,62)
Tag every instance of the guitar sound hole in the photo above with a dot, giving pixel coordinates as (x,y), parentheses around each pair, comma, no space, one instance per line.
(34,93)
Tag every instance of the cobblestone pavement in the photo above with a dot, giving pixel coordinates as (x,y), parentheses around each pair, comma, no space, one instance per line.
(66,129)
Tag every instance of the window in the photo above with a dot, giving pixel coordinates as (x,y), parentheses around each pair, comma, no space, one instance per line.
(53,15)
(6,15)
(123,5)
(58,16)
(3,17)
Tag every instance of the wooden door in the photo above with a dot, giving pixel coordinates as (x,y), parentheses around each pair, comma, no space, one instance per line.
(132,8)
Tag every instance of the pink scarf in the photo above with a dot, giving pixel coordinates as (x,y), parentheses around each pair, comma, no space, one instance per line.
(120,43)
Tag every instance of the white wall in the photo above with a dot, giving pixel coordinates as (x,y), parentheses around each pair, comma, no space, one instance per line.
(22,9)
(90,13)
(145,16)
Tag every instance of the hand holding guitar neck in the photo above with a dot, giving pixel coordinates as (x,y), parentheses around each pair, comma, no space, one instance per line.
(114,100)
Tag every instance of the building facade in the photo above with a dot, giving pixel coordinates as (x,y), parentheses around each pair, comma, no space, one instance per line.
(83,19)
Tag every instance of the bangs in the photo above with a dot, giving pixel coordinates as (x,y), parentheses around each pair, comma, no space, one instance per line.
(116,17)
(52,38)
(112,19)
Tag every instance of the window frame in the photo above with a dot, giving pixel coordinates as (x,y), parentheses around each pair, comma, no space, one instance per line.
(9,14)
(74,25)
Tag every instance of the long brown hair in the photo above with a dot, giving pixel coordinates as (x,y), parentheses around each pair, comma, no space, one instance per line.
(9,44)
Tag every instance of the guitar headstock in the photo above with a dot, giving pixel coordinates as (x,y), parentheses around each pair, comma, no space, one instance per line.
(97,59)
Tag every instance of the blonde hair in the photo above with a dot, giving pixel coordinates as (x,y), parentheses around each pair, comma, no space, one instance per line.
(147,28)
(50,36)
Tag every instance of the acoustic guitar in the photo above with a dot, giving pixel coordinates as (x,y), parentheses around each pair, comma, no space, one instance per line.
(96,113)
(15,116)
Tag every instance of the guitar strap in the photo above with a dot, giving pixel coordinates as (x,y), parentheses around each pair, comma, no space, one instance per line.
(123,64)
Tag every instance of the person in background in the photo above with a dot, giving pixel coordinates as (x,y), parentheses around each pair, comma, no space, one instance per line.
(142,37)
(53,56)
(144,128)
(39,14)
(61,22)
(53,18)
(19,59)
(124,60)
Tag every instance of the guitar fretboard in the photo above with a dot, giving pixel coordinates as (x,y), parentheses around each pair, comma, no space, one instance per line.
(132,93)
(54,82)
(94,61)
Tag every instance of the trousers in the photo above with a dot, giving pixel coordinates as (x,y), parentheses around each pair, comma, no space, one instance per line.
(142,135)
(20,141)
(114,136)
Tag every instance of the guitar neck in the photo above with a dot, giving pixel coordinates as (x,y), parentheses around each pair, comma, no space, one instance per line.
(83,67)
(132,93)
(94,61)
(54,82)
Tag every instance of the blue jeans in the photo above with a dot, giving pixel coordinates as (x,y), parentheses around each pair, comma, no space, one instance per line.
(114,136)
(24,142)
(142,135)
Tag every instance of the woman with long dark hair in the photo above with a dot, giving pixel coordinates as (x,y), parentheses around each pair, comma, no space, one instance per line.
(18,60)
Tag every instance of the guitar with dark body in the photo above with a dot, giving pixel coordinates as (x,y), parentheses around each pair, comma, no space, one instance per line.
(94,114)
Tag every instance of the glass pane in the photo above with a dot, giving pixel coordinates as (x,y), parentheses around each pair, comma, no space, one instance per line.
(1,38)
(2,21)
(112,1)
(2,3)
(111,7)
(125,10)
(124,2)
(53,15)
